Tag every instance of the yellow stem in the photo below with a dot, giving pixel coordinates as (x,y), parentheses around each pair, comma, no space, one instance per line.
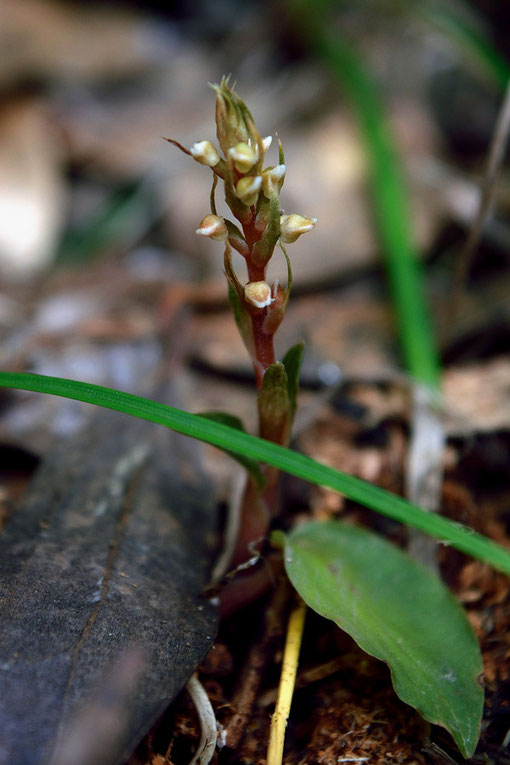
(286,688)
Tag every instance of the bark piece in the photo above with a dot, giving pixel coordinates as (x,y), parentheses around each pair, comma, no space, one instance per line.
(104,561)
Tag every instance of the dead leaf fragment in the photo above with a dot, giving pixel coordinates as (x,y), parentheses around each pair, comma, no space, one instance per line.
(31,189)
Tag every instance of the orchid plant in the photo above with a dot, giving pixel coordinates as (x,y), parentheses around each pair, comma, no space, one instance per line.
(252,193)
(395,609)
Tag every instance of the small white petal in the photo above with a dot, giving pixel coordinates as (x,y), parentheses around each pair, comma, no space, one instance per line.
(205,153)
(258,294)
(278,172)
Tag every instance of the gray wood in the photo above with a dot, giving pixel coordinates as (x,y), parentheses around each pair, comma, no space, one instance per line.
(101,570)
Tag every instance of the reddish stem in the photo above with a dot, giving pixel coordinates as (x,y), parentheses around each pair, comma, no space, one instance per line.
(264,345)
(258,506)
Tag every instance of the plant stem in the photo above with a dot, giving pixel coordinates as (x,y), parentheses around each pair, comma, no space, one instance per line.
(264,344)
(264,347)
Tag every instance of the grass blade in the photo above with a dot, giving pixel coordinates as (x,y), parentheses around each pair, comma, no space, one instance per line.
(389,194)
(449,532)
(469,33)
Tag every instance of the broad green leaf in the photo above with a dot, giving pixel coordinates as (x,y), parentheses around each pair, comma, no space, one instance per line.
(449,532)
(397,611)
(292,363)
(251,465)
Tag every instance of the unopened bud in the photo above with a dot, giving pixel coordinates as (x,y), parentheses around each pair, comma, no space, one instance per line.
(244,156)
(271,178)
(292,226)
(247,189)
(205,153)
(214,227)
(258,294)
(266,142)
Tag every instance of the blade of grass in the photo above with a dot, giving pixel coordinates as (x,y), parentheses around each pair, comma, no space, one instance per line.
(121,219)
(460,24)
(405,274)
(448,532)
(388,190)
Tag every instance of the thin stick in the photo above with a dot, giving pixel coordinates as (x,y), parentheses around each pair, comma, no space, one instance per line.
(496,156)
(424,471)
(287,681)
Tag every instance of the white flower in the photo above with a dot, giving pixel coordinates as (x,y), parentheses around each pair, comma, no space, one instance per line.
(214,227)
(247,189)
(205,153)
(258,294)
(244,156)
(271,177)
(292,226)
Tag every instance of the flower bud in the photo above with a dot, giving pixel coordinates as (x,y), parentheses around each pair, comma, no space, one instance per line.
(205,153)
(244,156)
(266,142)
(234,123)
(258,294)
(292,226)
(214,227)
(247,189)
(272,177)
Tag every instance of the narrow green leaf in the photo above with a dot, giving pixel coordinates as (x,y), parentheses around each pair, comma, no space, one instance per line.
(269,211)
(241,317)
(292,362)
(397,611)
(120,219)
(449,532)
(251,465)
(281,154)
(461,23)
(388,188)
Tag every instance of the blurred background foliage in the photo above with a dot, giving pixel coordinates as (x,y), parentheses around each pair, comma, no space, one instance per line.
(91,198)
(87,89)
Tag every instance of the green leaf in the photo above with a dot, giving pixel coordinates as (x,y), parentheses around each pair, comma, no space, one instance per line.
(268,211)
(462,24)
(397,611)
(119,220)
(251,465)
(292,363)
(241,315)
(449,532)
(390,196)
